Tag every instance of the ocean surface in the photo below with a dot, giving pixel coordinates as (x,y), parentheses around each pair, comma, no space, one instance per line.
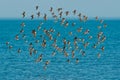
(22,66)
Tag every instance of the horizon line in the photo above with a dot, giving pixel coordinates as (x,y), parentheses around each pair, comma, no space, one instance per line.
(70,18)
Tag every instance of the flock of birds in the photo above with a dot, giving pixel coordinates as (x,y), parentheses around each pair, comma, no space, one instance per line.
(66,44)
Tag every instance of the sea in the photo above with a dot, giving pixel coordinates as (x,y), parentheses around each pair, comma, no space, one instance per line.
(22,66)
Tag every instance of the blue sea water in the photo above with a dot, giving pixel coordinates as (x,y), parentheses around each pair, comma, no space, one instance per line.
(14,66)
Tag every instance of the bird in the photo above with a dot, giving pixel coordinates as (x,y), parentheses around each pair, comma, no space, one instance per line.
(7,43)
(102,48)
(79,15)
(94,46)
(59,9)
(22,30)
(10,46)
(68,60)
(73,53)
(99,27)
(73,24)
(96,18)
(22,24)
(37,41)
(23,14)
(67,13)
(90,37)
(70,33)
(39,58)
(46,63)
(51,9)
(87,31)
(74,12)
(66,54)
(38,14)
(98,55)
(60,14)
(53,53)
(23,36)
(37,7)
(83,53)
(32,17)
(58,34)
(34,32)
(77,60)
(34,51)
(101,21)
(17,37)
(105,25)
(38,28)
(66,24)
(79,29)
(45,17)
(19,50)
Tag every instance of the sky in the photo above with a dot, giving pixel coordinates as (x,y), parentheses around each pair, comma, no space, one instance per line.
(91,8)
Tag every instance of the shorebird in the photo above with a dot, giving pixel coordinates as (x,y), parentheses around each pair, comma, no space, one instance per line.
(47,62)
(102,48)
(83,53)
(45,17)
(59,9)
(34,51)
(67,13)
(101,21)
(98,55)
(37,7)
(19,50)
(37,41)
(51,9)
(99,27)
(87,31)
(34,33)
(70,33)
(66,24)
(17,37)
(79,15)
(22,30)
(90,37)
(38,28)
(39,58)
(7,43)
(103,39)
(68,60)
(38,14)
(105,25)
(77,60)
(32,16)
(86,44)
(73,24)
(66,54)
(79,29)
(23,36)
(58,34)
(74,12)
(96,18)
(61,14)
(94,46)
(10,47)
(73,53)
(23,14)
(22,24)
(53,53)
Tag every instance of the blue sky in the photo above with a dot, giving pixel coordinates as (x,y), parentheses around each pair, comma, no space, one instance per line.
(101,8)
